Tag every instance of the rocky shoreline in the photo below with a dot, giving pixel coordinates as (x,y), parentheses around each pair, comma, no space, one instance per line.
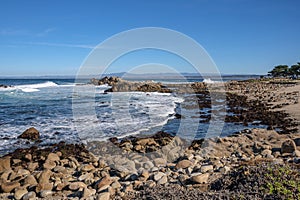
(251,164)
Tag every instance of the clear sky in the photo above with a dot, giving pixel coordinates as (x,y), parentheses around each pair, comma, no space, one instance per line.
(54,37)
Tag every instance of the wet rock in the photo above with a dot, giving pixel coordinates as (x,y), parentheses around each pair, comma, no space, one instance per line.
(4,164)
(30,134)
(288,146)
(183,164)
(201,178)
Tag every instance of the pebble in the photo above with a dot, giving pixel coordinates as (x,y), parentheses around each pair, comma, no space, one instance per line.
(183,164)
(202,178)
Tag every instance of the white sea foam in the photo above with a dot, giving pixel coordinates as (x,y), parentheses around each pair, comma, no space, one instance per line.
(127,113)
(209,81)
(35,87)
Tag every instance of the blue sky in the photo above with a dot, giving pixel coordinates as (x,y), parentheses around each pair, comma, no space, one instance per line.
(54,37)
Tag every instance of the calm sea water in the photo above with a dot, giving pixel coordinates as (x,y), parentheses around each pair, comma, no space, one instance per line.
(52,106)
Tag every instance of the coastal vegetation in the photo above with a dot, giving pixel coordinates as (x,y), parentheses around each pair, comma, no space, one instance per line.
(285,71)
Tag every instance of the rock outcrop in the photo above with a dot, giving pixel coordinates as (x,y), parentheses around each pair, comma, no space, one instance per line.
(30,134)
(119,85)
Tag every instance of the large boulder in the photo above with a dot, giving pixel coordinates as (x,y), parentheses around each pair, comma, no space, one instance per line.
(30,134)
(288,146)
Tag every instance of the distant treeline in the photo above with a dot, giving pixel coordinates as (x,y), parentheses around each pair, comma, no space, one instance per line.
(285,71)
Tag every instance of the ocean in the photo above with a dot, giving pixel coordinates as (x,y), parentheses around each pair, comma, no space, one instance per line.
(62,113)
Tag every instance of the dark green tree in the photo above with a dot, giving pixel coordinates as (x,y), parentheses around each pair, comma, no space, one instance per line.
(295,70)
(280,71)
